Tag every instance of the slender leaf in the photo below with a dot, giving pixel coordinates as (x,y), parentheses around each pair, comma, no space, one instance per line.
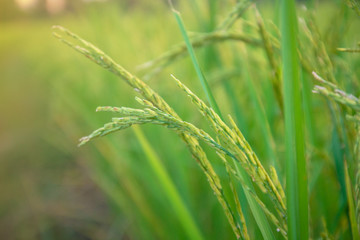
(195,62)
(352,211)
(296,174)
(170,190)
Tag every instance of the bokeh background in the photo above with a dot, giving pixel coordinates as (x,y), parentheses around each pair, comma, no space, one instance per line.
(50,188)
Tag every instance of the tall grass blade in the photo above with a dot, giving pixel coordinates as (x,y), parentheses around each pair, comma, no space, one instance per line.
(169,188)
(194,60)
(296,173)
(352,210)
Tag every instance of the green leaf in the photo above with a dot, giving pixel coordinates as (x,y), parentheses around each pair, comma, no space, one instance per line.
(196,65)
(170,190)
(352,211)
(296,172)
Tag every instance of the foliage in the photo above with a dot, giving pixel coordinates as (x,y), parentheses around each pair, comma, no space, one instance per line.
(154,188)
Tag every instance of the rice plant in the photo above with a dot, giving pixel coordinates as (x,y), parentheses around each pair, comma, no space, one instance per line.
(269,195)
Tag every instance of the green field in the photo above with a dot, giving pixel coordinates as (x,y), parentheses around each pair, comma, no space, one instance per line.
(142,182)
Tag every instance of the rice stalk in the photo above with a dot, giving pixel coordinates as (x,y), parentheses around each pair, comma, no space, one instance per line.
(331,91)
(340,145)
(198,41)
(195,62)
(259,216)
(212,59)
(156,116)
(323,62)
(281,227)
(351,101)
(234,140)
(100,58)
(153,115)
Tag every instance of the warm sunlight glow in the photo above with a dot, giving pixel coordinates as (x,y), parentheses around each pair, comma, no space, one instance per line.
(26,4)
(55,6)
(51,6)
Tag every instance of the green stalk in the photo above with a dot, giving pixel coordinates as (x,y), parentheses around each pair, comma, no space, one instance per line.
(352,211)
(296,174)
(211,60)
(195,62)
(258,213)
(169,188)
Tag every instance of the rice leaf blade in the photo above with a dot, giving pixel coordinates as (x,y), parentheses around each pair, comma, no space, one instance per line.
(169,188)
(296,174)
(195,62)
(352,212)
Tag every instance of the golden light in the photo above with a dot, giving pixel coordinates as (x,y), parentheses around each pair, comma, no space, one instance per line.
(26,5)
(51,6)
(55,6)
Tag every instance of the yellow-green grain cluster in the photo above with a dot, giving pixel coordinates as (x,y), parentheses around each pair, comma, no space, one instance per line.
(165,114)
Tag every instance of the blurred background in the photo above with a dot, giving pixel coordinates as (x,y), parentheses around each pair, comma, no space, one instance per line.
(50,188)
